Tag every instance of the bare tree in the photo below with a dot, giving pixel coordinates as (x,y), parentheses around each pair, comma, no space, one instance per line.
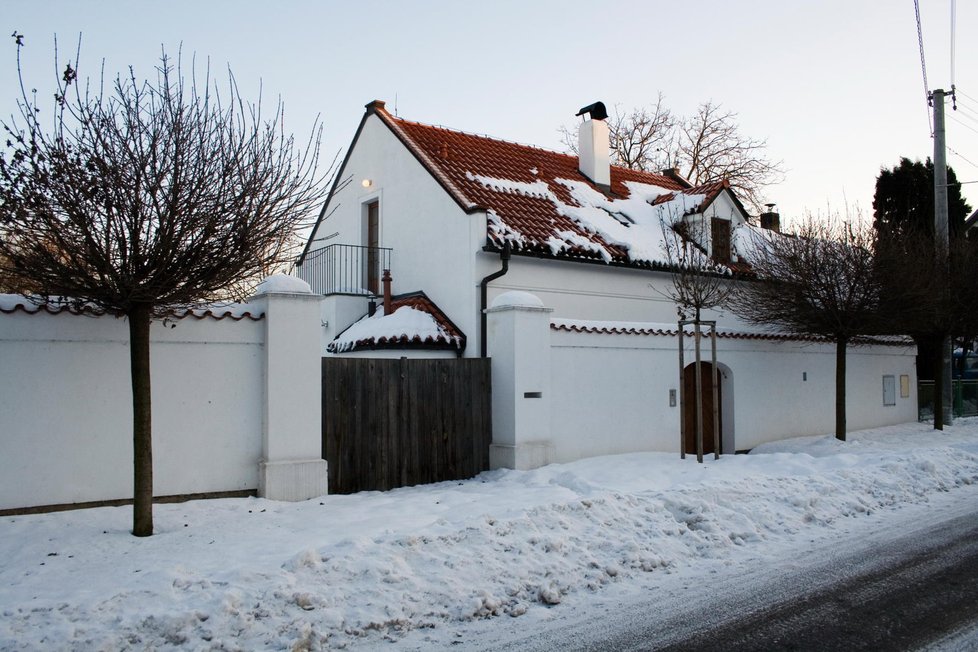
(709,146)
(640,139)
(149,196)
(698,283)
(820,280)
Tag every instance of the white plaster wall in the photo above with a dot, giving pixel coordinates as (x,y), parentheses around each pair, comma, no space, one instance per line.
(66,407)
(611,392)
(598,292)
(434,240)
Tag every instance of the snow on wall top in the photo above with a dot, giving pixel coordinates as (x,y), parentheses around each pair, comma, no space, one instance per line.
(517,298)
(11,303)
(283,283)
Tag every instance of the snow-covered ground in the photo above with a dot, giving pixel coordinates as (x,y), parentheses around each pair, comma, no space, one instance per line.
(416,565)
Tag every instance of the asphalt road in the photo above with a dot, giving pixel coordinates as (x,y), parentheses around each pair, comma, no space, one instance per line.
(904,583)
(923,592)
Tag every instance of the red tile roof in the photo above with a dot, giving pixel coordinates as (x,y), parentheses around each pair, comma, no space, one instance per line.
(450,338)
(455,159)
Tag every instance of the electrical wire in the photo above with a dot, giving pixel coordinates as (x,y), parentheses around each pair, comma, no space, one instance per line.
(967,114)
(963,124)
(923,65)
(958,90)
(965,159)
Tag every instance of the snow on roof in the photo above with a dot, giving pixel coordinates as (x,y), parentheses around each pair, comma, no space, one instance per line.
(415,321)
(539,202)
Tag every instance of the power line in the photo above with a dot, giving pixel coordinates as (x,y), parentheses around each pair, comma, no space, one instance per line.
(966,160)
(966,95)
(967,114)
(963,124)
(923,65)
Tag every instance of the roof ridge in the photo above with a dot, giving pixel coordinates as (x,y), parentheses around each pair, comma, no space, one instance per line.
(494,139)
(504,141)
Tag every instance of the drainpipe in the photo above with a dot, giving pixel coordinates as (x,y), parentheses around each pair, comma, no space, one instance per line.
(504,255)
(387,291)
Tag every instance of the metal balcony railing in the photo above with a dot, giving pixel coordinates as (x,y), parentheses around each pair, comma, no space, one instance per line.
(345,269)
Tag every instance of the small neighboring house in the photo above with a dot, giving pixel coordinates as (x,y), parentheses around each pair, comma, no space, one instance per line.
(460,219)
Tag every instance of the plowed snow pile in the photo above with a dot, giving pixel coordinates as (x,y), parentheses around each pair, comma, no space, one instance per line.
(344,571)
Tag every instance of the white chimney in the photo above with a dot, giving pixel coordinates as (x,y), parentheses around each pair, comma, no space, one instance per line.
(592,149)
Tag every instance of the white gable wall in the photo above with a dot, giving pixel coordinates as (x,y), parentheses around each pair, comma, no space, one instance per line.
(433,239)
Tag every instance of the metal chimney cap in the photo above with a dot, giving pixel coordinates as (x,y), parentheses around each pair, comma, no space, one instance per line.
(596,111)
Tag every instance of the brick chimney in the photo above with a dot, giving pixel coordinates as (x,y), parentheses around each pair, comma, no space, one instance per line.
(594,160)
(386,279)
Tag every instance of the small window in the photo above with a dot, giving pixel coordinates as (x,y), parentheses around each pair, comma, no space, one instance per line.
(904,386)
(720,232)
(889,390)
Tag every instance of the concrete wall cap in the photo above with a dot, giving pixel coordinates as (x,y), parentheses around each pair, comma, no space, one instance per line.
(516,299)
(283,284)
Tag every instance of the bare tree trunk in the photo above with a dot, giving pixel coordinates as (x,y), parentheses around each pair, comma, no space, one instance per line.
(142,433)
(840,388)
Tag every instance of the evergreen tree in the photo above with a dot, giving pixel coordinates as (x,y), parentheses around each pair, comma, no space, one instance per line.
(904,200)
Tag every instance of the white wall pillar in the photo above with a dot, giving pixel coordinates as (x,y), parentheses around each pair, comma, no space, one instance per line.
(519,345)
(291,467)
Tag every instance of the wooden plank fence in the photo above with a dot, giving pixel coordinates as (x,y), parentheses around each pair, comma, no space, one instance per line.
(396,423)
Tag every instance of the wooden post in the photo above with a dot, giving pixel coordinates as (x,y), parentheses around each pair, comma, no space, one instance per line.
(699,394)
(716,392)
(682,392)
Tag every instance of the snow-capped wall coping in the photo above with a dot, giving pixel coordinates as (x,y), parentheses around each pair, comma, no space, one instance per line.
(283,284)
(517,299)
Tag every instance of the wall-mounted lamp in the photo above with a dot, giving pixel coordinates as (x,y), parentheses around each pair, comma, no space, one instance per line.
(366,183)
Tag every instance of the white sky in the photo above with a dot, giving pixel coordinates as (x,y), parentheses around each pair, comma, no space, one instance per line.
(835,86)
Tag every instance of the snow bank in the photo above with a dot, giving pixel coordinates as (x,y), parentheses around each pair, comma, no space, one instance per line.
(353,570)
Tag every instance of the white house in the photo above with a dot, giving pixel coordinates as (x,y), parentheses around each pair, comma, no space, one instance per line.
(554,265)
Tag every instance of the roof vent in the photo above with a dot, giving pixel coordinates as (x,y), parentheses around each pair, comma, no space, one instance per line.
(771,220)
(592,146)
(595,111)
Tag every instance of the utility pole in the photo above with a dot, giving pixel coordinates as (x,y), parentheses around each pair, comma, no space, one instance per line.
(941,241)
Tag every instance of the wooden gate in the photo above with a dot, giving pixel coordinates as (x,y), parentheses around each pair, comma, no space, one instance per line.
(689,416)
(396,423)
